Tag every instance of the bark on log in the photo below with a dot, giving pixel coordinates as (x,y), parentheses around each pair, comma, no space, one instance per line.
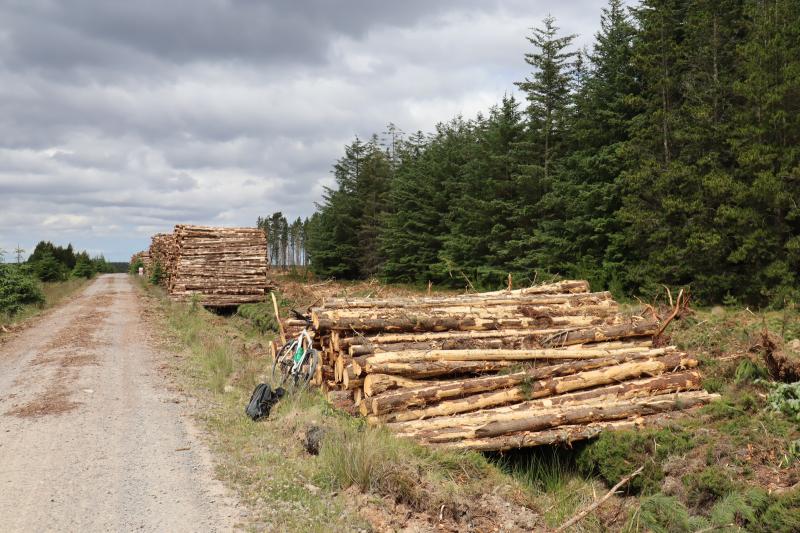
(461,323)
(663,384)
(576,414)
(425,394)
(506,355)
(548,387)
(375,384)
(429,369)
(481,299)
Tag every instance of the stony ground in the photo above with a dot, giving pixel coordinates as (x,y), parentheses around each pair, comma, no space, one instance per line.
(91,437)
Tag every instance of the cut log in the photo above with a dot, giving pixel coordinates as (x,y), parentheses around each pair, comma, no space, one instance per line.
(663,384)
(562,435)
(425,394)
(576,414)
(548,387)
(477,298)
(414,356)
(375,384)
(462,323)
(429,369)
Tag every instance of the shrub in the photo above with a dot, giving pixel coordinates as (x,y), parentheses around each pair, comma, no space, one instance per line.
(785,398)
(260,315)
(708,486)
(48,268)
(157,274)
(135,266)
(749,371)
(616,454)
(782,516)
(663,514)
(83,268)
(17,289)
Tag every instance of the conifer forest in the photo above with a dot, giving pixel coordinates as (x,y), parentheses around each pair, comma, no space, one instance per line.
(667,152)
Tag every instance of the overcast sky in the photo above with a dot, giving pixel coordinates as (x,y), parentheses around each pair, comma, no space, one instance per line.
(120,119)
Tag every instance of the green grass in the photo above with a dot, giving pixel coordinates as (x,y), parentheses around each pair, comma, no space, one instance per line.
(54,293)
(290,490)
(265,462)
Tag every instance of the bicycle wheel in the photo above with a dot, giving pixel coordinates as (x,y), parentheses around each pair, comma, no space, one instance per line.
(309,367)
(282,366)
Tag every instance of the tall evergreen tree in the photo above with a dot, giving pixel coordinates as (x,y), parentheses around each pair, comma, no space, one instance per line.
(549,92)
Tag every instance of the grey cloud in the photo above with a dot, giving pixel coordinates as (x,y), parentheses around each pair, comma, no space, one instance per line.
(121,119)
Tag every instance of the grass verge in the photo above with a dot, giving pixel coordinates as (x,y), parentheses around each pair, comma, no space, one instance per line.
(361,476)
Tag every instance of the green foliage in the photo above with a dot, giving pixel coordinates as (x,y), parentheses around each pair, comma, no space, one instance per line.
(260,315)
(48,268)
(785,398)
(668,153)
(18,288)
(708,486)
(46,249)
(749,371)
(782,516)
(84,267)
(661,514)
(135,266)
(157,273)
(616,454)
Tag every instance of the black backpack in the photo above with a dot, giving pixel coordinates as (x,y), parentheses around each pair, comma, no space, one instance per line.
(262,400)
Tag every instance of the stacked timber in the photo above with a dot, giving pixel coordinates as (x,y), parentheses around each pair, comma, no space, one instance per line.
(163,253)
(224,266)
(144,257)
(501,370)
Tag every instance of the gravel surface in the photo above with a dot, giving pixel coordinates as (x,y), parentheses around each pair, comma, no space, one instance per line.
(91,438)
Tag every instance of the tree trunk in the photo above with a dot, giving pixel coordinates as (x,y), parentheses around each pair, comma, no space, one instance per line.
(663,384)
(505,355)
(429,369)
(423,395)
(548,387)
(463,322)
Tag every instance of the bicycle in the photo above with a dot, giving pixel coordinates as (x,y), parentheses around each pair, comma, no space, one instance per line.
(297,359)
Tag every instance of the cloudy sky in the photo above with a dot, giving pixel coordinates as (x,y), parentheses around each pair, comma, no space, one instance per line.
(121,119)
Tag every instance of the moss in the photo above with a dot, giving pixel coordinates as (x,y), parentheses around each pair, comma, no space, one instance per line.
(707,486)
(616,454)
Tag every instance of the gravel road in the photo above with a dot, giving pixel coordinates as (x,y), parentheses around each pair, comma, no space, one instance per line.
(91,438)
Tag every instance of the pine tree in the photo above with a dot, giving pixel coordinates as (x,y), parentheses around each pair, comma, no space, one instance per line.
(766,142)
(537,159)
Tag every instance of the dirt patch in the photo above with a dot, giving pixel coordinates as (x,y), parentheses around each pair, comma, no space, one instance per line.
(79,333)
(54,401)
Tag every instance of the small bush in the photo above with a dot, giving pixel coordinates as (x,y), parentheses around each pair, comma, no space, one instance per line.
(48,268)
(18,289)
(376,462)
(616,454)
(260,315)
(541,469)
(661,514)
(708,486)
(785,398)
(749,371)
(157,274)
(83,267)
(782,516)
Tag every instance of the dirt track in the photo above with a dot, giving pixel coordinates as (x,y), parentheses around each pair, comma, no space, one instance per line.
(90,437)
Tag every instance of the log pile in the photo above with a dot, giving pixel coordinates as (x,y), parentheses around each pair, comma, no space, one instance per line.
(224,266)
(144,257)
(163,252)
(501,370)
